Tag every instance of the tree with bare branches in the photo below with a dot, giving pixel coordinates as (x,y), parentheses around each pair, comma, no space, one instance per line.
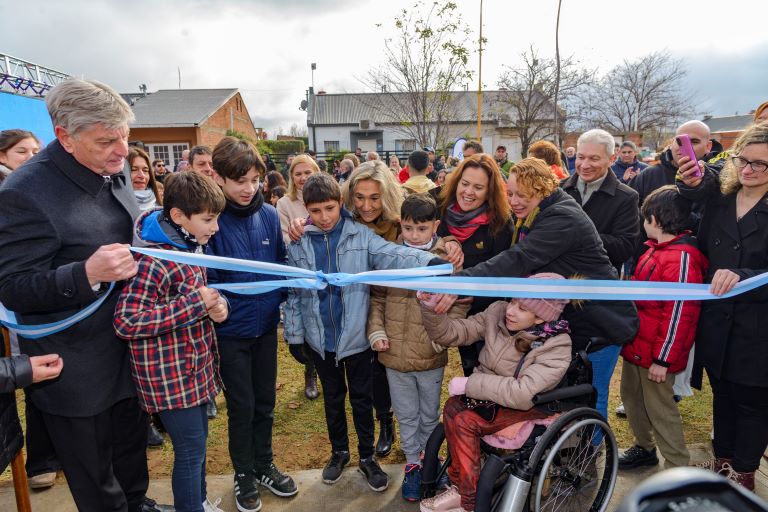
(649,93)
(527,94)
(424,63)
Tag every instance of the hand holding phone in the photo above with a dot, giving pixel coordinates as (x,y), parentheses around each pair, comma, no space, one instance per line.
(686,149)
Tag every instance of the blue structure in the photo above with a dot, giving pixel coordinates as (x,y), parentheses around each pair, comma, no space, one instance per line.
(27,113)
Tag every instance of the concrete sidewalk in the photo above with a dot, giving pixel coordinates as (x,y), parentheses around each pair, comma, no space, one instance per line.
(350,494)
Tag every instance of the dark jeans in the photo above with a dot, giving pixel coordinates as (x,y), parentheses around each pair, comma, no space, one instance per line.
(354,371)
(188,429)
(41,456)
(104,457)
(740,417)
(463,430)
(249,371)
(382,402)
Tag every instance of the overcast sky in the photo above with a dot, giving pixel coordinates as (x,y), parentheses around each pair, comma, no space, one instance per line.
(265,47)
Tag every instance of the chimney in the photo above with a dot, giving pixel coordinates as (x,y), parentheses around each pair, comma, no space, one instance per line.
(321,93)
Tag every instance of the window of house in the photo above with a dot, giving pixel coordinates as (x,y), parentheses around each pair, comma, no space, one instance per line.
(405,145)
(331,146)
(168,153)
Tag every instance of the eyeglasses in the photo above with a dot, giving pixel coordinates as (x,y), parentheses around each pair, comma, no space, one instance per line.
(757,166)
(159,165)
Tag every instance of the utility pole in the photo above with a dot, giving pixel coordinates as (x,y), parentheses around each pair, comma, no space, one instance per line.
(178,69)
(480,77)
(314,67)
(557,76)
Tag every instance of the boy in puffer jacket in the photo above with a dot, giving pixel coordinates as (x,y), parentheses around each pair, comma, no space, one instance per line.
(667,330)
(414,364)
(527,351)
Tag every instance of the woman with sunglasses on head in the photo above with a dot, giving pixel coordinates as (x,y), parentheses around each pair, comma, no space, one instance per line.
(732,344)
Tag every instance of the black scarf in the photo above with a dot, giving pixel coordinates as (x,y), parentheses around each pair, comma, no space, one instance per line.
(246,211)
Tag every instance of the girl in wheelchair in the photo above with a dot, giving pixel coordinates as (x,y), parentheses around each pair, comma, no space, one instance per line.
(527,351)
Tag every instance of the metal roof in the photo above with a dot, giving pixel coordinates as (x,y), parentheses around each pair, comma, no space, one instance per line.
(178,107)
(350,109)
(728,123)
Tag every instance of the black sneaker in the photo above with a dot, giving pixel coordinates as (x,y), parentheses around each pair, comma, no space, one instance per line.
(247,496)
(335,467)
(637,456)
(378,480)
(279,483)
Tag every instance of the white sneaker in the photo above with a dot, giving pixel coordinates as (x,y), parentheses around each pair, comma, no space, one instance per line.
(212,507)
(620,410)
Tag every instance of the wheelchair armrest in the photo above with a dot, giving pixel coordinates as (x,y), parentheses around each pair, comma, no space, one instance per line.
(563,393)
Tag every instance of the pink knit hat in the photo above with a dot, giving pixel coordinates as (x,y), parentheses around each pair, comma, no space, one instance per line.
(548,310)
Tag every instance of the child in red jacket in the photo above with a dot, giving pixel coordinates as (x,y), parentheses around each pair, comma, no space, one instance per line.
(166,312)
(667,330)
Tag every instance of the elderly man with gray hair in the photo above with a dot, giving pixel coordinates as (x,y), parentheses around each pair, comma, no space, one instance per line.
(66,220)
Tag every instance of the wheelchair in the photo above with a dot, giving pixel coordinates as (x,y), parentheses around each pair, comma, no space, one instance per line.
(569,465)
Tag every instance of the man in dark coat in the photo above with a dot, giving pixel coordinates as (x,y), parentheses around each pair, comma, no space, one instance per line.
(611,205)
(66,218)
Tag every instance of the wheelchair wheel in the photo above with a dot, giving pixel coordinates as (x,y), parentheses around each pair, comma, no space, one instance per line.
(575,464)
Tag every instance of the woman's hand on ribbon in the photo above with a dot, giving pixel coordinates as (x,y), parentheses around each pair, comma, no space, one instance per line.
(723,281)
(113,262)
(296,228)
(454,254)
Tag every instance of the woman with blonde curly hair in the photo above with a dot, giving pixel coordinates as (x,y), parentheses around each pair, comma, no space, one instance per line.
(731,340)
(549,153)
(552,233)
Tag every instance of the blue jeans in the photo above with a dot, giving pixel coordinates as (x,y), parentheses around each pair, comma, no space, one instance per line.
(188,429)
(603,364)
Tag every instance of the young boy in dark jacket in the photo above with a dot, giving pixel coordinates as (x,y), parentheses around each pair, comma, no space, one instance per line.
(249,229)
(665,338)
(166,312)
(333,320)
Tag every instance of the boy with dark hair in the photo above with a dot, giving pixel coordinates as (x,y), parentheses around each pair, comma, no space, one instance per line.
(418,168)
(333,320)
(250,229)
(666,334)
(166,312)
(414,364)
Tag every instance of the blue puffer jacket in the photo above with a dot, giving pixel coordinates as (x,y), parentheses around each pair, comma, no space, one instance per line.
(358,250)
(251,233)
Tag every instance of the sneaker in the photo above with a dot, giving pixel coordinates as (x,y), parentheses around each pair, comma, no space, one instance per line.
(715,465)
(411,489)
(620,411)
(637,456)
(335,467)
(279,483)
(209,506)
(211,410)
(450,500)
(42,481)
(377,479)
(247,496)
(154,438)
(746,480)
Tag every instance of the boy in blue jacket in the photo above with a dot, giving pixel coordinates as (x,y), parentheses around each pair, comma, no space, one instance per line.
(333,320)
(248,229)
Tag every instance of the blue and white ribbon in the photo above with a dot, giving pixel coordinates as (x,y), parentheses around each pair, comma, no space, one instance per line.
(433,279)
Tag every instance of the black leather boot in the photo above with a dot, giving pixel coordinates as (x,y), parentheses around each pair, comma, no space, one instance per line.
(386,435)
(310,382)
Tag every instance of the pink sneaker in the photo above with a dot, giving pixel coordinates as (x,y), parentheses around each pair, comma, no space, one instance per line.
(449,501)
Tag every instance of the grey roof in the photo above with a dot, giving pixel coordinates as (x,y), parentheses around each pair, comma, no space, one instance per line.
(349,109)
(728,123)
(178,107)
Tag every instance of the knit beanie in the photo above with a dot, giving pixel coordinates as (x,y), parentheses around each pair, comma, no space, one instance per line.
(548,310)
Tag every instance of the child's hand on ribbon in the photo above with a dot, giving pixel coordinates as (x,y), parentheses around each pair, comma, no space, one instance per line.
(457,386)
(429,300)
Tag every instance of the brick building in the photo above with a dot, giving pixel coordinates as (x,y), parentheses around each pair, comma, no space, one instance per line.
(172,120)
(728,128)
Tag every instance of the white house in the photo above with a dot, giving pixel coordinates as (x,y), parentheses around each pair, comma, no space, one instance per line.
(349,121)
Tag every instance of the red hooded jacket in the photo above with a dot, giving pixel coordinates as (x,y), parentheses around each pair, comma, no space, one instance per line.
(667,328)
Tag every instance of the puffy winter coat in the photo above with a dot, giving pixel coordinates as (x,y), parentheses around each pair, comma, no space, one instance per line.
(493,379)
(667,328)
(15,372)
(396,316)
(250,233)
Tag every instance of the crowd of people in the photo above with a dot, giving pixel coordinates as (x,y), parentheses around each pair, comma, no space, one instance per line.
(164,343)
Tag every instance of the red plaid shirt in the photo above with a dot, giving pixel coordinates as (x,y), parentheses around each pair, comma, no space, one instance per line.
(174,359)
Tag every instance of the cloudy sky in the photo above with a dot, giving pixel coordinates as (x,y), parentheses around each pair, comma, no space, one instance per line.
(265,47)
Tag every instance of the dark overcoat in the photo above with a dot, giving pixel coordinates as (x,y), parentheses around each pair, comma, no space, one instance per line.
(54,214)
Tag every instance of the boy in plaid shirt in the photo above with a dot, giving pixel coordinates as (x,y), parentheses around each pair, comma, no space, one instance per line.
(166,312)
